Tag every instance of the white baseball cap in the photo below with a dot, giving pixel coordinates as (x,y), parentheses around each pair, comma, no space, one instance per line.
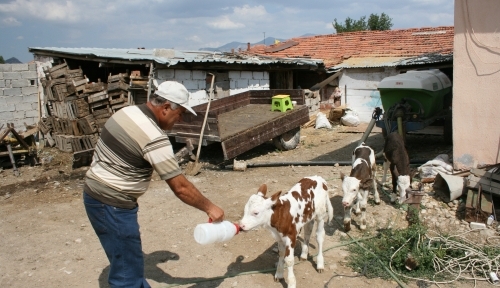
(175,92)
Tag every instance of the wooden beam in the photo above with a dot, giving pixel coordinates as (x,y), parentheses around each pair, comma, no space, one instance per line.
(326,81)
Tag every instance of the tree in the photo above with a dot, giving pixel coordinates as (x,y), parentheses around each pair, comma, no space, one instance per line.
(1,60)
(375,22)
(379,23)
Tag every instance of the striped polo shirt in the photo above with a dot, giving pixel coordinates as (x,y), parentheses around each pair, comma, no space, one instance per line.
(131,146)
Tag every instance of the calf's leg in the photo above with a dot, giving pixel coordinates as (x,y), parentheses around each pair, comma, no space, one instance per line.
(347,218)
(363,209)
(375,190)
(320,236)
(280,267)
(289,261)
(307,236)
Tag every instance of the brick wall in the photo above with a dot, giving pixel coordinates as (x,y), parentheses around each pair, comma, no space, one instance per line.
(18,95)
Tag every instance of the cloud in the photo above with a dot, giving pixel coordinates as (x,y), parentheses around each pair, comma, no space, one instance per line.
(60,10)
(225,23)
(194,38)
(11,21)
(20,38)
(250,12)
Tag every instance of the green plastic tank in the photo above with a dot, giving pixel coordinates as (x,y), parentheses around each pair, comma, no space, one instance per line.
(428,87)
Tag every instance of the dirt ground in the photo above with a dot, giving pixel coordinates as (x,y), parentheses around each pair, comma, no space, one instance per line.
(47,240)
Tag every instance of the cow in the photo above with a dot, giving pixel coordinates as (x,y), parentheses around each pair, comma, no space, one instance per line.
(357,185)
(284,215)
(396,157)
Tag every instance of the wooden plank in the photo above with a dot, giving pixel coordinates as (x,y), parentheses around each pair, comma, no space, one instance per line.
(487,185)
(259,134)
(483,173)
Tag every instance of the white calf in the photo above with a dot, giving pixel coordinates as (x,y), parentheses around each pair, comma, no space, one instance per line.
(285,215)
(395,154)
(357,185)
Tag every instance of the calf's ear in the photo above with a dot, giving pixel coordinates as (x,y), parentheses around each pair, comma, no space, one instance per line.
(342,176)
(276,196)
(262,189)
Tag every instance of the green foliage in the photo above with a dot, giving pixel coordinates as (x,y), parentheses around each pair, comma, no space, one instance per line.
(375,22)
(379,23)
(1,60)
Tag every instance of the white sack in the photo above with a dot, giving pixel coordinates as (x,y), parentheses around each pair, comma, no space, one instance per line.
(322,121)
(350,118)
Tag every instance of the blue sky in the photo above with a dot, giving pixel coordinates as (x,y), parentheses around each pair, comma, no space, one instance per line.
(188,24)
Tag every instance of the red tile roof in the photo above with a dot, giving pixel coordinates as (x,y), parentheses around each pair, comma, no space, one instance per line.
(333,49)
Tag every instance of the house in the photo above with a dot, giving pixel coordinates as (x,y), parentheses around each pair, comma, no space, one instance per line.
(356,62)
(476,71)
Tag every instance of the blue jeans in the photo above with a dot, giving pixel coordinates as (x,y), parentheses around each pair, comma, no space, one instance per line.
(118,231)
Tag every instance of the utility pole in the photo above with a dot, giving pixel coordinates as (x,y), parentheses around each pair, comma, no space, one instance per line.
(264,38)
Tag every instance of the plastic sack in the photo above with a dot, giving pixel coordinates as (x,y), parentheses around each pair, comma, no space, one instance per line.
(439,164)
(350,118)
(322,121)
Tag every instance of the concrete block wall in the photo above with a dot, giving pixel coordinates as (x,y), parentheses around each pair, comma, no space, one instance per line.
(194,80)
(18,95)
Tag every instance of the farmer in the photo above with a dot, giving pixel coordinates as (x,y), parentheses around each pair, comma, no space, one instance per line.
(133,143)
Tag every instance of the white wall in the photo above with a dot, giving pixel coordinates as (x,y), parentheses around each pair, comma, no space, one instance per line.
(362,95)
(476,85)
(194,80)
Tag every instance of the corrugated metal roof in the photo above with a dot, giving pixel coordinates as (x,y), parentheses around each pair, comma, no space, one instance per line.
(169,56)
(373,62)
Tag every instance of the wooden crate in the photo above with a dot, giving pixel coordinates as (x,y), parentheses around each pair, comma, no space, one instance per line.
(117,107)
(44,126)
(117,96)
(64,142)
(95,87)
(98,97)
(56,71)
(79,85)
(124,77)
(79,108)
(87,125)
(59,91)
(118,85)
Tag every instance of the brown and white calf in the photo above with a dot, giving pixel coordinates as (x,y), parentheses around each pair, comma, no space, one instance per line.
(396,157)
(285,214)
(357,185)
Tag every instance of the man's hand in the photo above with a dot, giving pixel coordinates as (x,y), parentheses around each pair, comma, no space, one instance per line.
(215,213)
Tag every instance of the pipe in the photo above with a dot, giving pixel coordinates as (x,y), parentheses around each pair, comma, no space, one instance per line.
(312,163)
(400,126)
(368,131)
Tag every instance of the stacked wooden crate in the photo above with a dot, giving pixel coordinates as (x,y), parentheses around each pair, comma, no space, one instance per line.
(78,109)
(138,88)
(118,91)
(69,125)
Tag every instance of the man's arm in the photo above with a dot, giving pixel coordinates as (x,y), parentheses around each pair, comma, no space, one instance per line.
(189,194)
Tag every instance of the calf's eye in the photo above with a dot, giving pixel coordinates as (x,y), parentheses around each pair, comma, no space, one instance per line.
(255,213)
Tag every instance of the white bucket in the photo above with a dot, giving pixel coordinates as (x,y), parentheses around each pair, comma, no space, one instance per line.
(208,233)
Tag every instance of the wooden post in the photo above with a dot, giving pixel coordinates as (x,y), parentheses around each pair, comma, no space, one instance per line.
(150,79)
